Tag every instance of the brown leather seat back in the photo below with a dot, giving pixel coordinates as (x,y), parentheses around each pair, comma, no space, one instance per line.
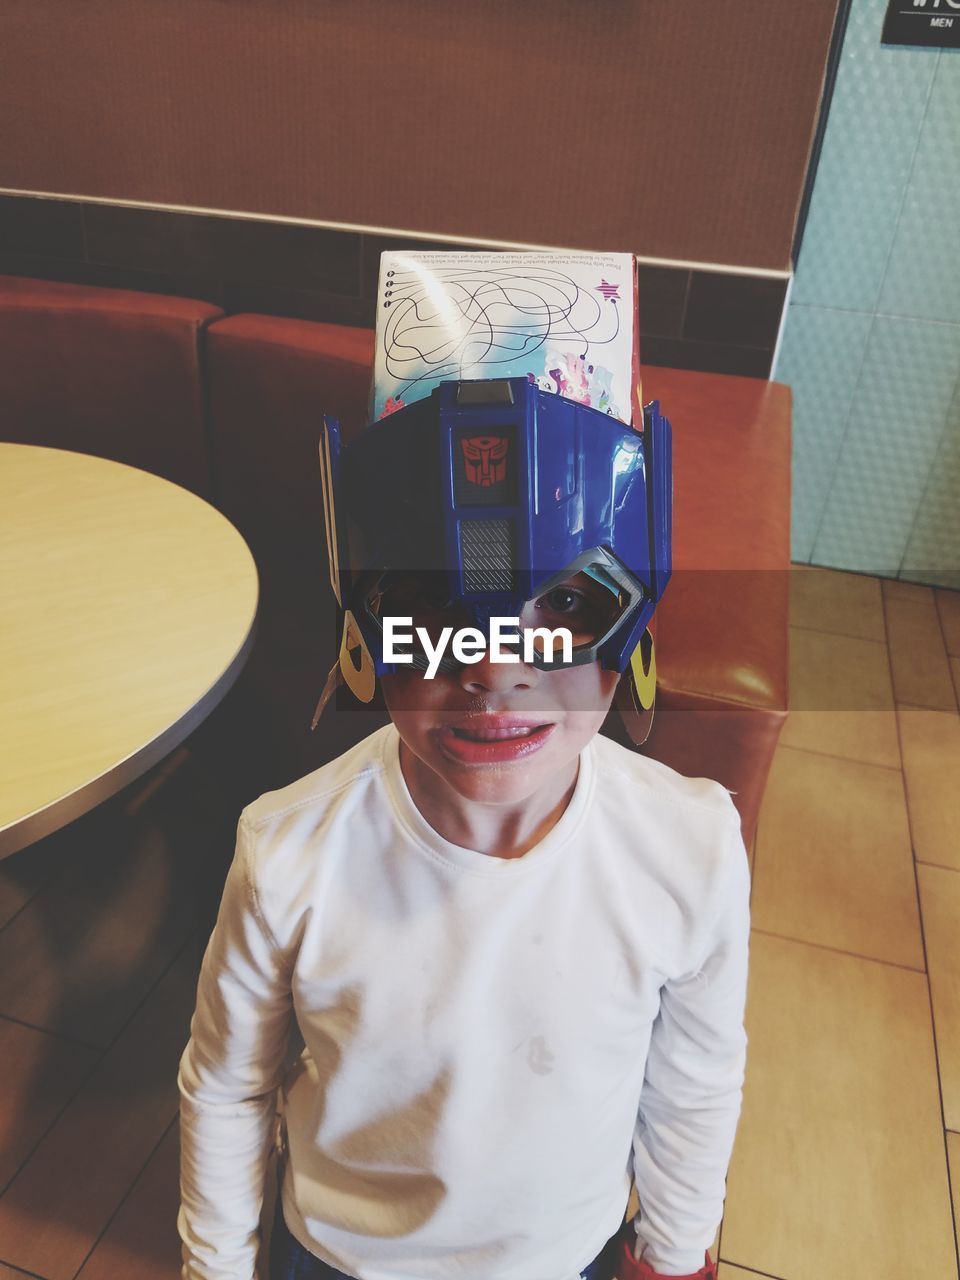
(722,629)
(109,372)
(270,382)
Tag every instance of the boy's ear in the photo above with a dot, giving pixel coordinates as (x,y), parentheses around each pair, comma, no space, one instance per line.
(637,691)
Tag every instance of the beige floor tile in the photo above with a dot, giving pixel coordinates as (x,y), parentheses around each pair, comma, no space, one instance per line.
(827,600)
(931,765)
(940,904)
(23,874)
(839,1167)
(955,669)
(918,658)
(38,1075)
(81,955)
(835,865)
(948,605)
(142,1239)
(953,1154)
(56,1208)
(726,1271)
(841,698)
(893,588)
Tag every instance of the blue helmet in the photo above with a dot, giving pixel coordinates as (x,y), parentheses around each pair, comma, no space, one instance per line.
(495,493)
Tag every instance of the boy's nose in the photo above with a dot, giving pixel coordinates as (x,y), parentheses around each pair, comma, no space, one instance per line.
(487,676)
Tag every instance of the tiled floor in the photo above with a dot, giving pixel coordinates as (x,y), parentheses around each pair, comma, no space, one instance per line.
(851,1119)
(841,1162)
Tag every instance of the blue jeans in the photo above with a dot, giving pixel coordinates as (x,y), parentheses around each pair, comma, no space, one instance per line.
(289,1260)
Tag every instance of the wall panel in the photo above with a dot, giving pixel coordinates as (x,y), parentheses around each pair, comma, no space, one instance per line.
(672,128)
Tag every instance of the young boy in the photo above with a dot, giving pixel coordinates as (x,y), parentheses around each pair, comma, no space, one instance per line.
(516,952)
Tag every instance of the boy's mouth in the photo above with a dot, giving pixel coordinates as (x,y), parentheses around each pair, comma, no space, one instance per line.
(497,735)
(492,739)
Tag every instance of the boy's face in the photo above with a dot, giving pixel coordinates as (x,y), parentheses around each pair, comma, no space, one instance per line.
(497,733)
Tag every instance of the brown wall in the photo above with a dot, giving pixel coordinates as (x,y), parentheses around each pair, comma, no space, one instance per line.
(672,128)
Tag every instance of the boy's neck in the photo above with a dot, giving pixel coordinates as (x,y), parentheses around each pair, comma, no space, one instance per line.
(501,831)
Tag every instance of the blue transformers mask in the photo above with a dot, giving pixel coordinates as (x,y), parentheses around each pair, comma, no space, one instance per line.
(494,498)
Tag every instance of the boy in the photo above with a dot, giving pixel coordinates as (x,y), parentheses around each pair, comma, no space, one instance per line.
(516,952)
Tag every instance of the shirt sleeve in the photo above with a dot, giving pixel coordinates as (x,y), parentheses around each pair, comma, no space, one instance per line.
(693,1087)
(228,1078)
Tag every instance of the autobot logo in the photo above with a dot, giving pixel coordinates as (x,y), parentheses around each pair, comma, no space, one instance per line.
(485,459)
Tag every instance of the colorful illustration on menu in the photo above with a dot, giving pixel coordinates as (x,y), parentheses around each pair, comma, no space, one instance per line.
(564,321)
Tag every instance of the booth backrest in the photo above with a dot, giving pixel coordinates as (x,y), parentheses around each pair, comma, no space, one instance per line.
(270,382)
(231,407)
(110,372)
(722,627)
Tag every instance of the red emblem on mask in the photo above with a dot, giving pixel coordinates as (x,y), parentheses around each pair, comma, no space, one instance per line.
(485,459)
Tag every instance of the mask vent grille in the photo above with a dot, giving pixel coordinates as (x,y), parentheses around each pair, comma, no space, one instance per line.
(487,555)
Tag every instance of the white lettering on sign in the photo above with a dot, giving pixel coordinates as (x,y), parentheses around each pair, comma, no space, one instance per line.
(935,4)
(470,645)
(941,22)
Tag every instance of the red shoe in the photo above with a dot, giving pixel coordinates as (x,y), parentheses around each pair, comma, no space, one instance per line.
(628,1268)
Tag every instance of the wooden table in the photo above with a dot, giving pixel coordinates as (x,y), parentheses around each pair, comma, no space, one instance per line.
(127,608)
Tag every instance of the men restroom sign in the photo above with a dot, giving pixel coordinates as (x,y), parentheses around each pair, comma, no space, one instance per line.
(933,23)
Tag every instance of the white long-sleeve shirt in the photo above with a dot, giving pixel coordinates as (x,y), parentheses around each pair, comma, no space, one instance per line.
(492,1046)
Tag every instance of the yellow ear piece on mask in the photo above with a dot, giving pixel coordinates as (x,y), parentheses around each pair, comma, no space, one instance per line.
(333,682)
(356,664)
(643,669)
(637,691)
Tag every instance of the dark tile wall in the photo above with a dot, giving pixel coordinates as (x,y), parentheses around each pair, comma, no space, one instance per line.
(713,321)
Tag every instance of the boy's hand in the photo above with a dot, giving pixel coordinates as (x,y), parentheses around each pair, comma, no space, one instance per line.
(628,1268)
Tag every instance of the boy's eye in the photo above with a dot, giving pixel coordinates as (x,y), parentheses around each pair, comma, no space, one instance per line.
(587,608)
(422,602)
(435,597)
(425,600)
(413,596)
(563,600)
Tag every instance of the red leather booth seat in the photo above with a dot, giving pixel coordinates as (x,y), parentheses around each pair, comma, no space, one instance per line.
(270,381)
(721,631)
(105,371)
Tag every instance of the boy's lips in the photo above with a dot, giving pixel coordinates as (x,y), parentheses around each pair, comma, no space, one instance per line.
(484,739)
